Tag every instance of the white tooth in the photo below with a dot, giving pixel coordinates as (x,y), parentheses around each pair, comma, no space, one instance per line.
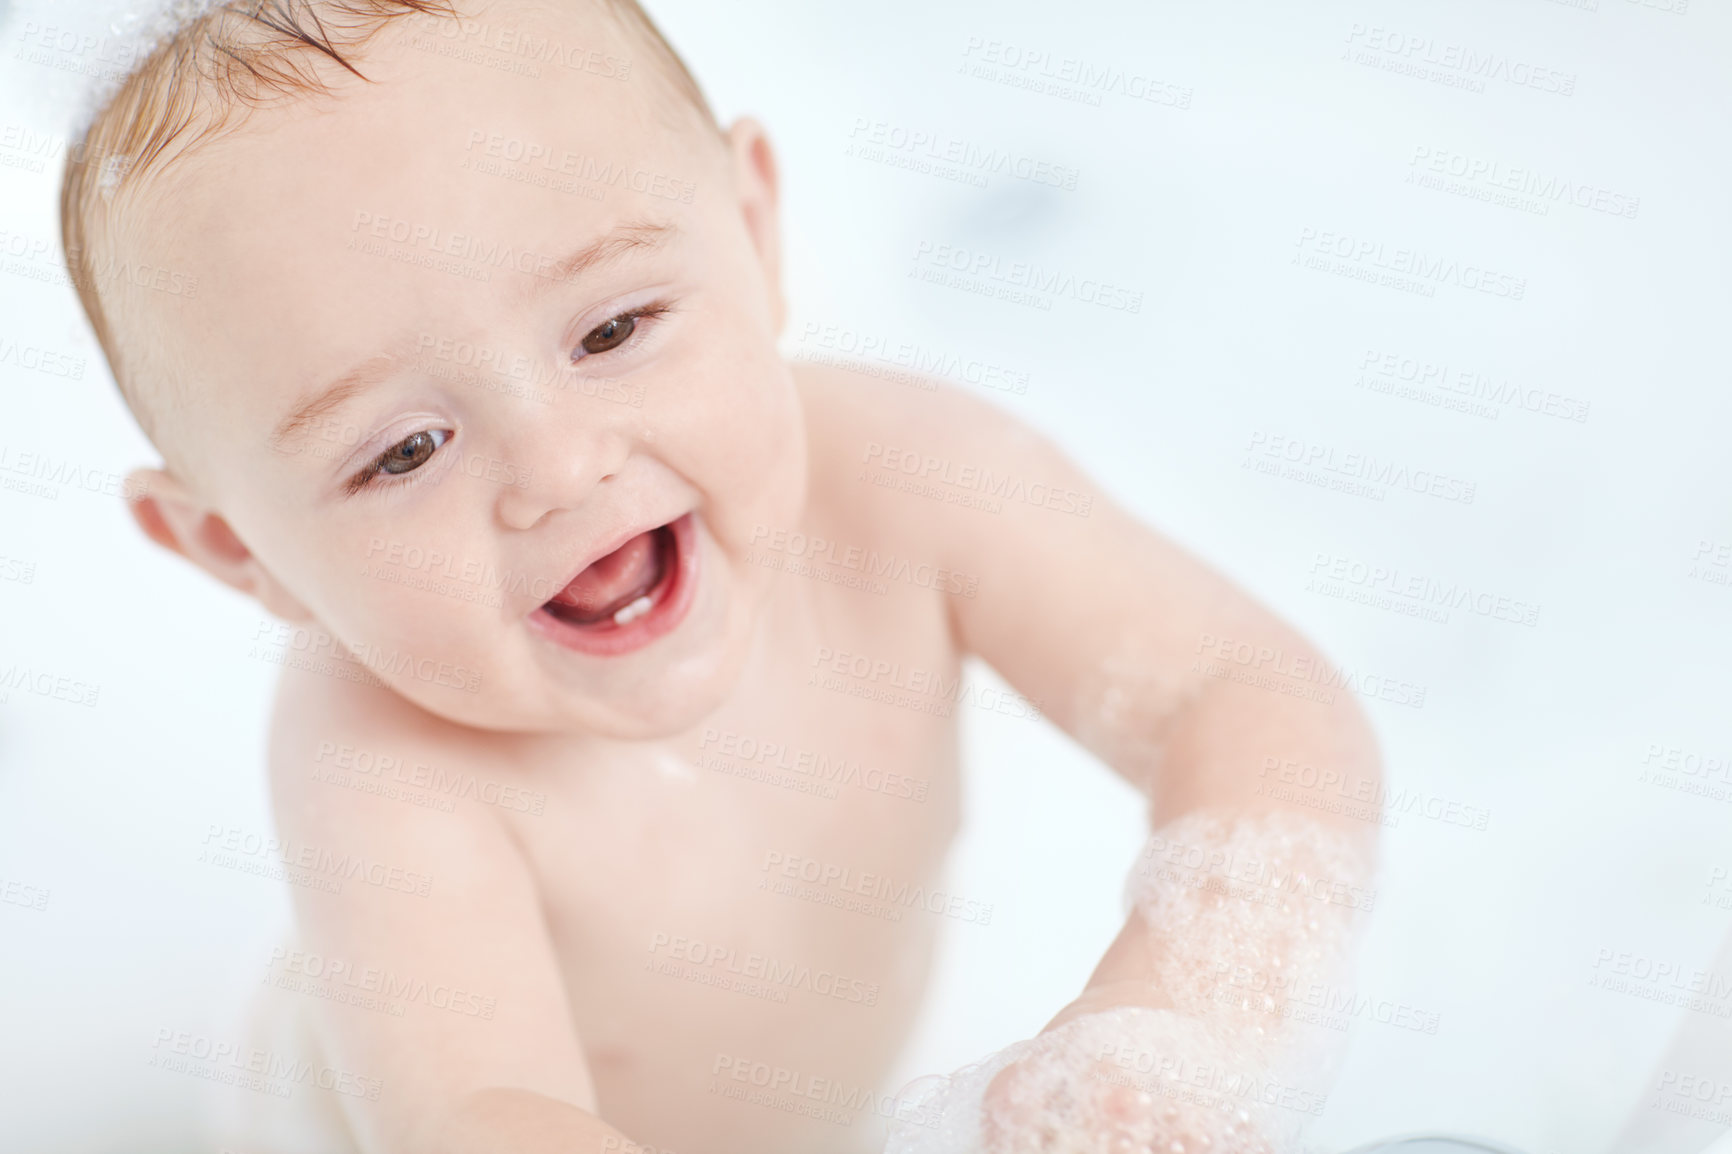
(633,611)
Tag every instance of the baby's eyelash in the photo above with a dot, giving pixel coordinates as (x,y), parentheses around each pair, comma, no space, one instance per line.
(370,475)
(655,310)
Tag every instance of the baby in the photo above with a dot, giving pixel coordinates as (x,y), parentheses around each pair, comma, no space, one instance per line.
(480,396)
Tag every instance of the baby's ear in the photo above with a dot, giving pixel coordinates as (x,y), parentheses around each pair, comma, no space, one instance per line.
(172,515)
(756,185)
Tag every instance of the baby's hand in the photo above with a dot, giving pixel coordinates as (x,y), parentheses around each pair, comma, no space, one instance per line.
(1128,1082)
(1035,1107)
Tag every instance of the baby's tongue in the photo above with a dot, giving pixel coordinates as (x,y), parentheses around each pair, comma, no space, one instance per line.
(613,582)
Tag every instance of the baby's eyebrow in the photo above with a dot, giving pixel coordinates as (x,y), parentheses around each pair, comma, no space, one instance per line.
(629,236)
(333,396)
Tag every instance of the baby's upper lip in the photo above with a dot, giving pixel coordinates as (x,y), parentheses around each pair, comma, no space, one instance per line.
(612,545)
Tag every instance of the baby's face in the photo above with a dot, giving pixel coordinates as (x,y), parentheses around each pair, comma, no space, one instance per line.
(549,317)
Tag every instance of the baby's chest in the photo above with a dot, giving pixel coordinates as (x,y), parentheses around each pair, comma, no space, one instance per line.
(768,884)
(765,832)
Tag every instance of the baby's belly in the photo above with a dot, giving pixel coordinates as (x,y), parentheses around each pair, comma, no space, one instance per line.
(711,1048)
(745,960)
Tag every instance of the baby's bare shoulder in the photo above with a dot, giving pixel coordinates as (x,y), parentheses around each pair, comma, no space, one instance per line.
(393,874)
(846,408)
(346,750)
(914,460)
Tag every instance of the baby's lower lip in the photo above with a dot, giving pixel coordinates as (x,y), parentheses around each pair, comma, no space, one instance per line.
(643,615)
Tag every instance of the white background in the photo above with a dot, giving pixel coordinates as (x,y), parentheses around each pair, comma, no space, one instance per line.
(1201,210)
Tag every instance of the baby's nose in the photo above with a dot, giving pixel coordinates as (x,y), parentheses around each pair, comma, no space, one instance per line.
(557,472)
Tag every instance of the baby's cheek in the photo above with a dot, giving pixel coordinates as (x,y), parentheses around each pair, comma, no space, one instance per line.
(750,470)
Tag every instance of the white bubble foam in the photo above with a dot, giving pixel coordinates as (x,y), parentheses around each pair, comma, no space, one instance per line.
(1246,915)
(92,47)
(1129,1079)
(1246,912)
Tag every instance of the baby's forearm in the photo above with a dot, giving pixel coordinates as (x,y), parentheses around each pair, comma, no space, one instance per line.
(1188,1034)
(1239,920)
(1238,858)
(1235,739)
(1243,870)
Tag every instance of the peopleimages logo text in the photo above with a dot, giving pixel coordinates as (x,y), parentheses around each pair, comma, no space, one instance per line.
(1411,262)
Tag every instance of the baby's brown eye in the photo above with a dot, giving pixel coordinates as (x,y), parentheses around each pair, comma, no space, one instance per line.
(411,453)
(610,335)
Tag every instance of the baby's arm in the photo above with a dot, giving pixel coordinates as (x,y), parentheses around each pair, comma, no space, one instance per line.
(1114,632)
(434,899)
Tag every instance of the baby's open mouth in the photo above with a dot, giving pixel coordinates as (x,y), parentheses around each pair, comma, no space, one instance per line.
(630,597)
(620,587)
